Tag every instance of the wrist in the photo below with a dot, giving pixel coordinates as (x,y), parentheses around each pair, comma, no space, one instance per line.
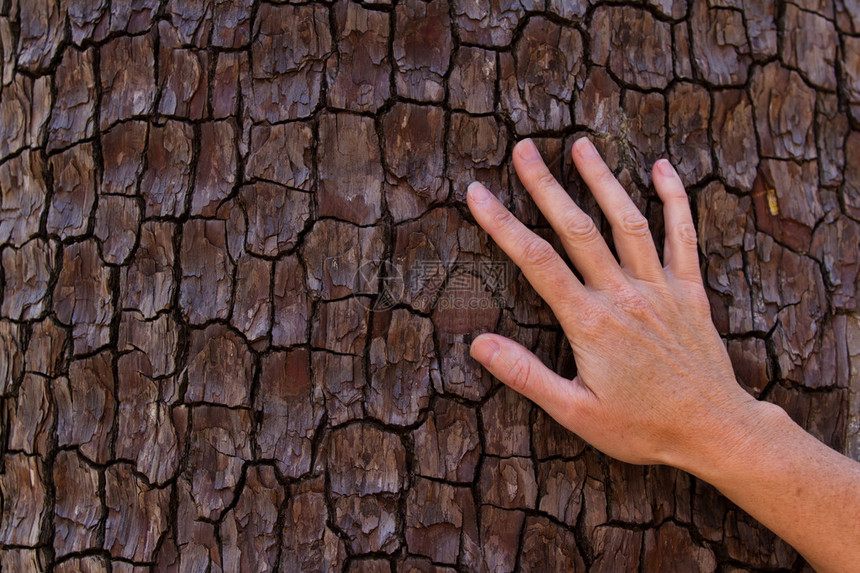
(734,437)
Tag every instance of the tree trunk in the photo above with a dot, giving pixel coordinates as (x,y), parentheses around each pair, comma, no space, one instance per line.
(239,279)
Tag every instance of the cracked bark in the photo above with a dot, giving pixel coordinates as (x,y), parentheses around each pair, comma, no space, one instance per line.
(238,281)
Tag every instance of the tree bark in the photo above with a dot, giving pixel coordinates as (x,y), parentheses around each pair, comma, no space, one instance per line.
(238,279)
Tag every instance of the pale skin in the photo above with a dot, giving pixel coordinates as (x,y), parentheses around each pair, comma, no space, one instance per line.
(654,383)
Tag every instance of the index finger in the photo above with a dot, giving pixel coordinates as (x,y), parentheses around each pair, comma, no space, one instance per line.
(541,265)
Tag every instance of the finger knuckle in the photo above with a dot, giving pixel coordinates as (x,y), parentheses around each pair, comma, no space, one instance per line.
(502,218)
(633,223)
(686,232)
(545,179)
(631,301)
(579,228)
(538,252)
(519,372)
(678,196)
(592,317)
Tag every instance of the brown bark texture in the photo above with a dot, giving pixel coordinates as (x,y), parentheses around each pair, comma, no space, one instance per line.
(238,279)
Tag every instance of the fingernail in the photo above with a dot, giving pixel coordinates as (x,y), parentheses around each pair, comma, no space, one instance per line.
(528,151)
(665,167)
(478,192)
(484,349)
(586,148)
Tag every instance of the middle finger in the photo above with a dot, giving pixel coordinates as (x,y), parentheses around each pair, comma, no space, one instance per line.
(578,233)
(630,230)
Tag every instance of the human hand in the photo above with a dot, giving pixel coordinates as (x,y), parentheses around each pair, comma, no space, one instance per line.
(654,382)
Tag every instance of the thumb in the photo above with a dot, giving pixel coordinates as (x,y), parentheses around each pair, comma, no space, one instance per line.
(520,369)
